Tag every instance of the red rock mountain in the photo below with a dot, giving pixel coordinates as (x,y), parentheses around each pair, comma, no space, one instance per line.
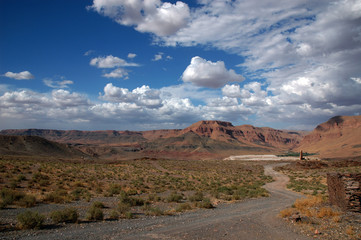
(202,138)
(339,137)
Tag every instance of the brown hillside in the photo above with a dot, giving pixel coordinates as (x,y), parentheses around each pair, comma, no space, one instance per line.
(205,137)
(35,146)
(338,137)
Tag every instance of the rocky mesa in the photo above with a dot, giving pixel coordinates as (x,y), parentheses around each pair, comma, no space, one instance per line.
(339,137)
(204,138)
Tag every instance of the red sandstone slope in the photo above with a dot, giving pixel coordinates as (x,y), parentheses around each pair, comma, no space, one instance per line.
(213,137)
(338,137)
(246,134)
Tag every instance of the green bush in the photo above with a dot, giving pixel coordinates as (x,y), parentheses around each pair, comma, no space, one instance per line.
(95,213)
(59,196)
(27,201)
(114,215)
(30,220)
(205,203)
(128,215)
(131,201)
(197,197)
(68,215)
(174,197)
(153,211)
(98,204)
(123,207)
(183,207)
(113,189)
(9,196)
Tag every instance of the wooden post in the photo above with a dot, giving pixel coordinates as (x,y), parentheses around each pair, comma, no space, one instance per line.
(301,155)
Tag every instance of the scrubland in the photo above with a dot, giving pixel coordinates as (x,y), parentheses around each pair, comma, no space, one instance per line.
(122,189)
(314,214)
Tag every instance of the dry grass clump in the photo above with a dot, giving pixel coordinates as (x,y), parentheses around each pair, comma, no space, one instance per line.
(288,212)
(307,203)
(327,212)
(350,230)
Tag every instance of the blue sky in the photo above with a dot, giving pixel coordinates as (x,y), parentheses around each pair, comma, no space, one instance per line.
(138,65)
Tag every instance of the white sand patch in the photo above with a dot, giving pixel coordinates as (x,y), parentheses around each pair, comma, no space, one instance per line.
(260,158)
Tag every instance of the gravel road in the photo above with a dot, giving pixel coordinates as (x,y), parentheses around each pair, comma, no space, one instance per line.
(251,219)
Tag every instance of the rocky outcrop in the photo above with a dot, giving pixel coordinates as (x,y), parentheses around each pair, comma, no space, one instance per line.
(337,138)
(345,191)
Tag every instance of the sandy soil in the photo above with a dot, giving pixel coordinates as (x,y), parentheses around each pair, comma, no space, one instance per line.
(251,219)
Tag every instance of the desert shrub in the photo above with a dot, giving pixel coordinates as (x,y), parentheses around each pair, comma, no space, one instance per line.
(225,190)
(27,201)
(20,178)
(9,196)
(68,215)
(306,203)
(114,215)
(41,179)
(205,203)
(80,193)
(128,215)
(153,211)
(114,189)
(154,198)
(59,196)
(287,212)
(174,197)
(183,207)
(98,204)
(30,220)
(197,197)
(95,213)
(131,201)
(327,212)
(123,207)
(13,184)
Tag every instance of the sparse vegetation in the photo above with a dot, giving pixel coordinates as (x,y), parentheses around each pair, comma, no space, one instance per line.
(30,220)
(95,213)
(142,187)
(68,215)
(309,178)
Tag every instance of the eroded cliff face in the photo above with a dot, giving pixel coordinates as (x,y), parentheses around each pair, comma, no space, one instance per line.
(214,137)
(338,137)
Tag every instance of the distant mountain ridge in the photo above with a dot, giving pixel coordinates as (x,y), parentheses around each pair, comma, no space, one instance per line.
(339,137)
(213,137)
(36,146)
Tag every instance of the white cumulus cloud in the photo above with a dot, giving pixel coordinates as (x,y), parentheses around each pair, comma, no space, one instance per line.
(57,84)
(209,74)
(142,96)
(110,62)
(152,16)
(132,55)
(25,75)
(117,73)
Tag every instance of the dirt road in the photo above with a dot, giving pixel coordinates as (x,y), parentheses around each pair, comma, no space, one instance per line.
(251,219)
